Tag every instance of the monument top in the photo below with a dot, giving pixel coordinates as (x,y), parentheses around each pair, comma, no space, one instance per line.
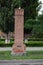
(19,11)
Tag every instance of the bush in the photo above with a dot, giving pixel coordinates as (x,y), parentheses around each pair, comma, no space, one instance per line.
(29,44)
(3,44)
(35,39)
(11,39)
(6,45)
(2,40)
(34,44)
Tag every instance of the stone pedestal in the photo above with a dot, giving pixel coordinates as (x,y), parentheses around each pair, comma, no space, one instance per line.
(19,48)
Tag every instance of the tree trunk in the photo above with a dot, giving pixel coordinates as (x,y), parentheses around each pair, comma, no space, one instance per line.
(7,39)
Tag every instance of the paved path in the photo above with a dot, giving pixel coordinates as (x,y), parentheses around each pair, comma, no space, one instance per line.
(27,48)
(22,62)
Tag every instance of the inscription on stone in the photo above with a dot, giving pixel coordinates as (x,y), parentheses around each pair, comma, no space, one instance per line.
(18,46)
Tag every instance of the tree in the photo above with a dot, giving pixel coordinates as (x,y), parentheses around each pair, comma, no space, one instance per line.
(38,27)
(7,8)
(30,8)
(7,16)
(29,11)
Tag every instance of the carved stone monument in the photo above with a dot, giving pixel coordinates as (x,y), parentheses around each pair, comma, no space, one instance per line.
(19,47)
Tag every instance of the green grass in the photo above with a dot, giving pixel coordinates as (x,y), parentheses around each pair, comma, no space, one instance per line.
(6,55)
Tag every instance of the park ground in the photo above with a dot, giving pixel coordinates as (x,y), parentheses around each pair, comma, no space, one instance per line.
(32,53)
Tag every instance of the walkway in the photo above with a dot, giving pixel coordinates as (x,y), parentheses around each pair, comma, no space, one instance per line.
(27,48)
(22,62)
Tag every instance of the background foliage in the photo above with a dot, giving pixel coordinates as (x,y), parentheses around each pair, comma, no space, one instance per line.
(33,22)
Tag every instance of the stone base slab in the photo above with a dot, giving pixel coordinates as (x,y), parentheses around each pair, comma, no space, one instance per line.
(18,49)
(18,54)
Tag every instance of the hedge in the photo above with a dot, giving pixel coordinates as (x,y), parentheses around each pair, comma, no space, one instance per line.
(6,45)
(35,39)
(34,43)
(2,44)
(3,39)
(28,44)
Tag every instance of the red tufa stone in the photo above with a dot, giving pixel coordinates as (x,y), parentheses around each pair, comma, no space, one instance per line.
(19,48)
(19,31)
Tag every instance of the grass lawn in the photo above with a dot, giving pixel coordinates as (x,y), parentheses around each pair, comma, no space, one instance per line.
(6,55)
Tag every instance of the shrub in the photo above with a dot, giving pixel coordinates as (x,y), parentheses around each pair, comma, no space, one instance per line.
(34,43)
(28,44)
(6,45)
(35,39)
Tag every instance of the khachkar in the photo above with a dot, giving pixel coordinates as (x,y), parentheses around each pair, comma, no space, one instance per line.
(19,47)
